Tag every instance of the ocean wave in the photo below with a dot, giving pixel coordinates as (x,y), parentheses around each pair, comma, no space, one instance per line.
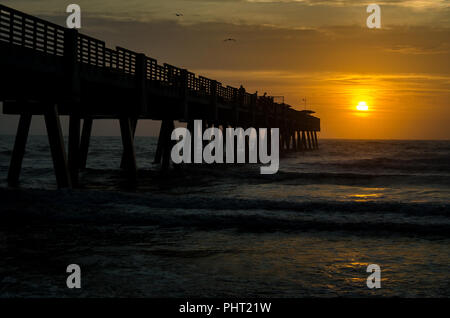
(339,177)
(22,207)
(436,163)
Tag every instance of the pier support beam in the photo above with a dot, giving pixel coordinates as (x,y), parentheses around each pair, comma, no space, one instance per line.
(133,123)
(224,136)
(167,144)
(284,142)
(56,141)
(305,146)
(85,140)
(190,128)
(288,140)
(294,140)
(159,147)
(269,141)
(308,133)
(316,140)
(74,148)
(164,143)
(128,147)
(19,149)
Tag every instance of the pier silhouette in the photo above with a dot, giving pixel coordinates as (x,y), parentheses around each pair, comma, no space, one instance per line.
(49,70)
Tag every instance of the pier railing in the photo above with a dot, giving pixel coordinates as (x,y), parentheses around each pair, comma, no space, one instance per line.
(24,30)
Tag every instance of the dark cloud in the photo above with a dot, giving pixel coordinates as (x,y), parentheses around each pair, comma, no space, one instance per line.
(335,49)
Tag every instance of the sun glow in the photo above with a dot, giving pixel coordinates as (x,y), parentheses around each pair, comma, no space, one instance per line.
(362,106)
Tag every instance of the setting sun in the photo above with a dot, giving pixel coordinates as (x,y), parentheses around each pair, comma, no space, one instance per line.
(362,106)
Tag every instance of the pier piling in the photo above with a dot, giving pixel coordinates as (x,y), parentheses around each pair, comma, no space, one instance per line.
(58,151)
(19,149)
(128,148)
(85,141)
(74,148)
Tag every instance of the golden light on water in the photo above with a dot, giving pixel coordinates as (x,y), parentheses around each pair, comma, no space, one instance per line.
(362,106)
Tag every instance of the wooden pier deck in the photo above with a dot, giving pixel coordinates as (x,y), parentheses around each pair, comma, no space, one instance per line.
(46,69)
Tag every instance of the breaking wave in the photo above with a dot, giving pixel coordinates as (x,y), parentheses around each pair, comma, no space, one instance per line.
(107,208)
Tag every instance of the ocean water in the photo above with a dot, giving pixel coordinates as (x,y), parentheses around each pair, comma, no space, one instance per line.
(225,230)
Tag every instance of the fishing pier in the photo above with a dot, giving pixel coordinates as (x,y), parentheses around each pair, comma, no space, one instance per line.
(49,70)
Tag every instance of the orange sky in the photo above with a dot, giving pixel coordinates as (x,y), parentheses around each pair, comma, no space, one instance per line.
(318,49)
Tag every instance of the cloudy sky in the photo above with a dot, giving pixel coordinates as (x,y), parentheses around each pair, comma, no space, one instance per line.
(319,49)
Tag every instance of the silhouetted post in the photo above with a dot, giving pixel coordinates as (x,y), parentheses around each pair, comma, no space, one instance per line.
(281,141)
(286,140)
(294,140)
(71,69)
(246,146)
(204,127)
(128,147)
(73,92)
(133,123)
(304,140)
(254,100)
(159,147)
(316,140)
(74,148)
(299,140)
(308,133)
(190,128)
(164,141)
(19,149)
(142,104)
(291,140)
(169,127)
(269,140)
(308,141)
(141,80)
(224,136)
(85,140)
(56,141)
(258,136)
(214,109)
(313,140)
(240,104)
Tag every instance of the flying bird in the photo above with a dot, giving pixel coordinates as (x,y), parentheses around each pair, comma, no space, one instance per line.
(230,40)
(179,14)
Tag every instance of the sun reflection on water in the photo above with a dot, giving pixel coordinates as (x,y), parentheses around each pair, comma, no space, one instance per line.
(365,197)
